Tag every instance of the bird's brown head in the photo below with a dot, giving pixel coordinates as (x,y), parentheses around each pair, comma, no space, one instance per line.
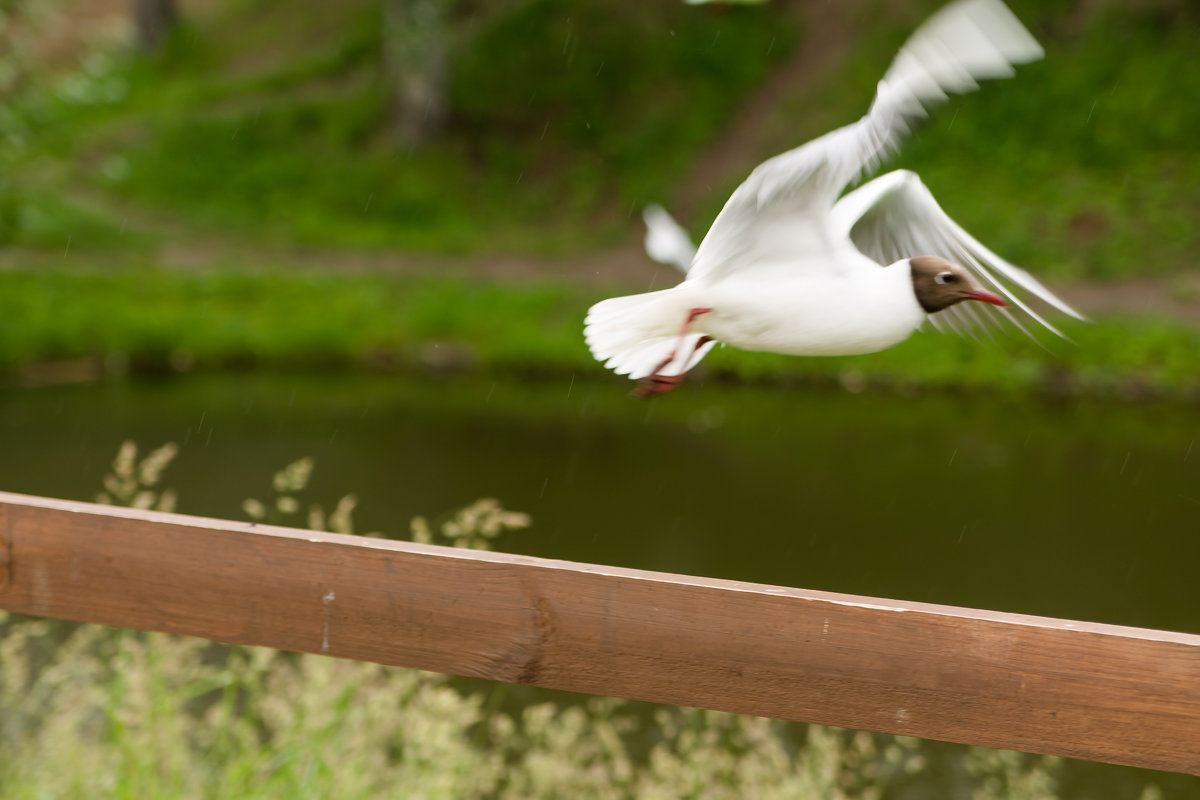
(938,284)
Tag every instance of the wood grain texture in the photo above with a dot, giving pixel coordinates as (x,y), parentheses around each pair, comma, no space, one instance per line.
(1084,690)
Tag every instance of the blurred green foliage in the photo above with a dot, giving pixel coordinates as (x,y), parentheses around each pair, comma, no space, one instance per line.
(152,319)
(90,709)
(261,125)
(1084,165)
(271,121)
(567,115)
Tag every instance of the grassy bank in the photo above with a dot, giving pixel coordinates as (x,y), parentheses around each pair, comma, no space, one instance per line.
(259,125)
(161,320)
(261,122)
(1080,166)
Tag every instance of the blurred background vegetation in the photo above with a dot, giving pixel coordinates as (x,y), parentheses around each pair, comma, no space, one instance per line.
(445,186)
(336,160)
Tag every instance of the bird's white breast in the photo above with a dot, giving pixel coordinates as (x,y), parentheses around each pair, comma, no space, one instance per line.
(860,311)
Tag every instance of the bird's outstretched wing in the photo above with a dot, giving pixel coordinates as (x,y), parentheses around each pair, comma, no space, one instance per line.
(666,241)
(895,216)
(778,215)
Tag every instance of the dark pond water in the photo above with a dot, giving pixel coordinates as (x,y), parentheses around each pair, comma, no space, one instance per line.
(1070,509)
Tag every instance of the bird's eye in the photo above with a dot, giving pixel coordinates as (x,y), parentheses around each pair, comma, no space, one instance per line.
(943,277)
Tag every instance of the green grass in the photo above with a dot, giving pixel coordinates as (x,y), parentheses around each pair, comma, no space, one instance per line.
(46,221)
(156,319)
(1081,166)
(272,124)
(600,108)
(259,126)
(152,317)
(1092,149)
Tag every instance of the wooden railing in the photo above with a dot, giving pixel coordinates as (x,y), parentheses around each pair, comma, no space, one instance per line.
(1078,689)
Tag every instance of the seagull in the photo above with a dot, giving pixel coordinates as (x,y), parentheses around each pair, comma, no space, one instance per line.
(792,266)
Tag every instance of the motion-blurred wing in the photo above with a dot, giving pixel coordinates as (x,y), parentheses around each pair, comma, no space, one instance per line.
(778,215)
(666,241)
(895,216)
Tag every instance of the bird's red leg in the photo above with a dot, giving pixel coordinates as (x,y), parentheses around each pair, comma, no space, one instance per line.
(659,384)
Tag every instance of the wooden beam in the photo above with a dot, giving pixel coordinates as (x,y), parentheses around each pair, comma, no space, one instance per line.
(1077,689)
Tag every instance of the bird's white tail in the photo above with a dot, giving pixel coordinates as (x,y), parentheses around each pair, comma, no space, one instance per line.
(633,335)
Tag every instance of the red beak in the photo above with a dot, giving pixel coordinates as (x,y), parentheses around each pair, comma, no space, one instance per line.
(987,297)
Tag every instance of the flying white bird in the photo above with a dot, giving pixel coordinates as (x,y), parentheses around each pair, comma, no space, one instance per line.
(788,267)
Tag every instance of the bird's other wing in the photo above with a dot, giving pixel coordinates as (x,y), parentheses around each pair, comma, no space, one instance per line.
(778,215)
(666,240)
(895,216)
